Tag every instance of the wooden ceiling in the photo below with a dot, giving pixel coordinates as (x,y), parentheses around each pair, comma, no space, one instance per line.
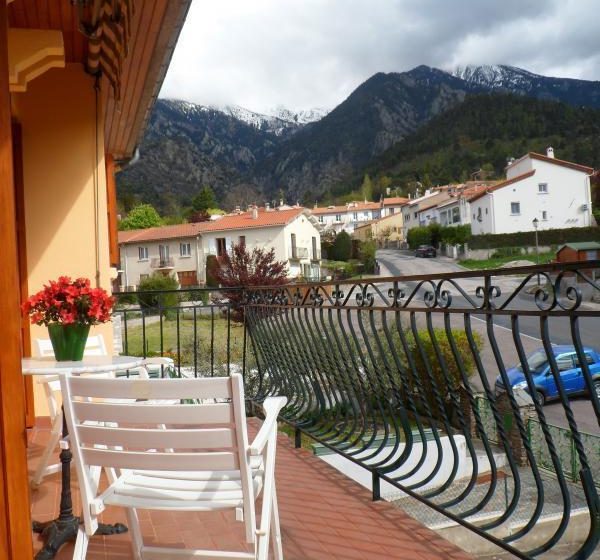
(51,14)
(155,28)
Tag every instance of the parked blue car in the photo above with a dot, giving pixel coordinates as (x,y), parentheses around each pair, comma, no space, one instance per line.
(543,379)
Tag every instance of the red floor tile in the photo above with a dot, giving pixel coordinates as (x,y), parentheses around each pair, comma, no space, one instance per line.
(324,516)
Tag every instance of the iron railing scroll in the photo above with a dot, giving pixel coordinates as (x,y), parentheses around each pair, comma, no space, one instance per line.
(391,373)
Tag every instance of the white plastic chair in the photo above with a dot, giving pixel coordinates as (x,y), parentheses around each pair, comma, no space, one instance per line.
(94,347)
(209,464)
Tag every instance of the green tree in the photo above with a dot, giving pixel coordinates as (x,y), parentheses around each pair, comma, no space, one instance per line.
(366,188)
(204,200)
(341,250)
(141,217)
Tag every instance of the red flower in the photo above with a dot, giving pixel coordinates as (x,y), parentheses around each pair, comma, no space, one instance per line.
(69,301)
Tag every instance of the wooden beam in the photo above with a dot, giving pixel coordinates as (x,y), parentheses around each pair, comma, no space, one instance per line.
(17,140)
(111,198)
(15,519)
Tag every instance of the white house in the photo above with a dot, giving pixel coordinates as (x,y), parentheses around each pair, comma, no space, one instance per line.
(456,211)
(182,249)
(422,211)
(353,214)
(553,191)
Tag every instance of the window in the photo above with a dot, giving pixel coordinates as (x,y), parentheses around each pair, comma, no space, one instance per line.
(242,240)
(163,253)
(143,277)
(515,208)
(366,215)
(321,219)
(143,253)
(294,250)
(544,215)
(314,249)
(416,215)
(455,215)
(391,211)
(221,247)
(338,217)
(185,250)
(588,358)
(355,216)
(376,214)
(479,217)
(542,188)
(486,211)
(565,363)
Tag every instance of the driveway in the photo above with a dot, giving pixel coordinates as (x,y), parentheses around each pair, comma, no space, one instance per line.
(394,263)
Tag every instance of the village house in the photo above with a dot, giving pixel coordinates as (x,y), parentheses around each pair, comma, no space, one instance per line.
(457,210)
(422,211)
(349,216)
(182,249)
(387,229)
(554,192)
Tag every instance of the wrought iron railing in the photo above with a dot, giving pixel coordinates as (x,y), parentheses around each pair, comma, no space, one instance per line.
(196,327)
(412,379)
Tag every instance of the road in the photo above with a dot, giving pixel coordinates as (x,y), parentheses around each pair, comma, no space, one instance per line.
(395,263)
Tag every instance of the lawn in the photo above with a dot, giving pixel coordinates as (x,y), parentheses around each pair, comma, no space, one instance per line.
(497,262)
(211,333)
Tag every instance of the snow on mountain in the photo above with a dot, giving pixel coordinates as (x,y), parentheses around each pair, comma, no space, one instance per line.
(278,121)
(304,116)
(499,76)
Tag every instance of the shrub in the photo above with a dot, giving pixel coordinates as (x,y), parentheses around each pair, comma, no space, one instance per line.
(527,238)
(423,351)
(156,283)
(367,256)
(341,250)
(212,269)
(418,236)
(418,381)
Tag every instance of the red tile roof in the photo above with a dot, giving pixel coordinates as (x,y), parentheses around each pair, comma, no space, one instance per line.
(244,220)
(394,200)
(358,206)
(503,184)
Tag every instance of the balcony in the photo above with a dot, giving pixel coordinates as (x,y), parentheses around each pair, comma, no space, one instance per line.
(161,263)
(400,392)
(299,253)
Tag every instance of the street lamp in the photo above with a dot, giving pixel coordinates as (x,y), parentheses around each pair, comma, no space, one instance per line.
(537,254)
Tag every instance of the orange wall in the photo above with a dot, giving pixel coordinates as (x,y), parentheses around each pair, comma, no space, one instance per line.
(57,114)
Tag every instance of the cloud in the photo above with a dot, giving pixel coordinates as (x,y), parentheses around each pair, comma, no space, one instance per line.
(314,53)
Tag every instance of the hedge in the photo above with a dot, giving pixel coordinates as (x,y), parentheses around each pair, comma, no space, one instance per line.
(527,238)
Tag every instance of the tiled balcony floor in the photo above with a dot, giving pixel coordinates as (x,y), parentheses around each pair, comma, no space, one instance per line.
(323,515)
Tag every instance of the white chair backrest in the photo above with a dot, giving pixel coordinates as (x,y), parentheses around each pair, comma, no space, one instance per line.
(199,435)
(93,347)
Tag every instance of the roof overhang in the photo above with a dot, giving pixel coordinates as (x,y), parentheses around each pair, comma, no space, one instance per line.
(129,42)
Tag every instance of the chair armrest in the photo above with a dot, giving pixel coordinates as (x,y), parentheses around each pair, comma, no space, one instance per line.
(271,406)
(159,360)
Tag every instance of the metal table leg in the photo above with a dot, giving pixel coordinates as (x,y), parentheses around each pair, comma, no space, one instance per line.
(64,529)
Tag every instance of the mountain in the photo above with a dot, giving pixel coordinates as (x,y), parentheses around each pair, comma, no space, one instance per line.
(518,81)
(186,146)
(379,113)
(483,132)
(314,153)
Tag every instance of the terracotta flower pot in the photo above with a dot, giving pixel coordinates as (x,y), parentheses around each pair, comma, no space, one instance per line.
(68,341)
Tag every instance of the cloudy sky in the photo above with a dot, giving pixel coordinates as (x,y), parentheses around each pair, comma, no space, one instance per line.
(313,53)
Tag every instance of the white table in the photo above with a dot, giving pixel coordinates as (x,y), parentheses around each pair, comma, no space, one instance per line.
(64,528)
(92,364)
